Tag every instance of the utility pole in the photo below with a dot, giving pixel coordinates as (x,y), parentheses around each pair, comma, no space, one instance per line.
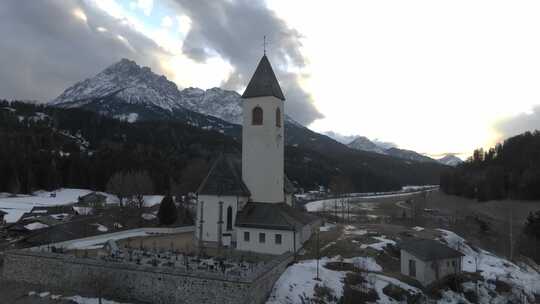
(201,221)
(318,254)
(511,235)
(220,228)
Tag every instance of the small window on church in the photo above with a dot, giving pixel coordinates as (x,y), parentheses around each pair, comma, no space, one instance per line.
(246,236)
(229,218)
(278,238)
(278,118)
(257,116)
(262,238)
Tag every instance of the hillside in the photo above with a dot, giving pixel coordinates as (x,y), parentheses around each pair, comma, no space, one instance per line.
(132,93)
(50,147)
(509,170)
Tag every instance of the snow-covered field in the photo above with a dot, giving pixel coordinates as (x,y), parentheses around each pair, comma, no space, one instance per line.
(17,206)
(321,205)
(298,282)
(296,285)
(74,299)
(491,267)
(98,241)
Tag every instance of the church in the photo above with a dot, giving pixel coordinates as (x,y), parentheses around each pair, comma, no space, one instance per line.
(247,203)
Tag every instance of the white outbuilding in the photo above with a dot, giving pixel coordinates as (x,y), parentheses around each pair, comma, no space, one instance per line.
(428,260)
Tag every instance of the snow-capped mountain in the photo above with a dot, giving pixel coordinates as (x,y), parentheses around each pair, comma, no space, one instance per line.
(364,144)
(128,82)
(450,160)
(130,92)
(409,155)
(344,139)
(223,104)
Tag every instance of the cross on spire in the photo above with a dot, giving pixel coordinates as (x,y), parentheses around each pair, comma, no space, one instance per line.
(264,45)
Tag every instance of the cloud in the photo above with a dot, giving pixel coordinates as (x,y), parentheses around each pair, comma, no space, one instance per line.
(234,30)
(167,22)
(518,124)
(47,47)
(144,5)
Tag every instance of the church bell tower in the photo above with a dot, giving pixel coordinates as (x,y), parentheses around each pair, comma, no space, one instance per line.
(263,136)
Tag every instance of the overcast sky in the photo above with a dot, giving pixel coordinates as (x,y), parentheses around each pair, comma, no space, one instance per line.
(432,76)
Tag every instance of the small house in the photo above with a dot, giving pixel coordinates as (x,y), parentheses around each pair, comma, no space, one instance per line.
(92,199)
(428,260)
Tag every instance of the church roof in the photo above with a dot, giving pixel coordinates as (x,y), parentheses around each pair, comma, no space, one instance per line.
(278,216)
(429,250)
(224,178)
(263,82)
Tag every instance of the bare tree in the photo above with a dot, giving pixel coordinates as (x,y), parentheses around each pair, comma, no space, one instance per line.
(340,185)
(117,185)
(131,185)
(141,184)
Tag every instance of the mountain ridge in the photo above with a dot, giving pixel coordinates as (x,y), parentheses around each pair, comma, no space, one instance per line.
(110,93)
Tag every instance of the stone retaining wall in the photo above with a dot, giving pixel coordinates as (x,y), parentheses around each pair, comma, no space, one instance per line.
(140,283)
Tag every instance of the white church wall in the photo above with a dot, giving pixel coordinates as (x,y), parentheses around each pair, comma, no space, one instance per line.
(269,246)
(211,215)
(263,150)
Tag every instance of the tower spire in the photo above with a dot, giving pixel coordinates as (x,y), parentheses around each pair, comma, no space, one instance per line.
(263,82)
(264,45)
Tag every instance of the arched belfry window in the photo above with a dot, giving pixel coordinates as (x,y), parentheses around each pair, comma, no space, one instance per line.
(278,118)
(257,116)
(229,218)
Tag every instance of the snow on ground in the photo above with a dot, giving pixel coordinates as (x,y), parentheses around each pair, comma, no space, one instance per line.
(152,200)
(17,206)
(328,203)
(378,282)
(350,229)
(417,228)
(364,263)
(328,246)
(74,299)
(320,205)
(493,267)
(96,241)
(383,241)
(148,216)
(327,227)
(82,300)
(101,228)
(365,206)
(297,282)
(131,117)
(35,226)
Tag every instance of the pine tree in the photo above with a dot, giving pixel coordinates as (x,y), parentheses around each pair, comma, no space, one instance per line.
(167,213)
(532,226)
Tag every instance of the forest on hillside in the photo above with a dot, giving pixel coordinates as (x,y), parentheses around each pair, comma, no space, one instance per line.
(47,148)
(509,170)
